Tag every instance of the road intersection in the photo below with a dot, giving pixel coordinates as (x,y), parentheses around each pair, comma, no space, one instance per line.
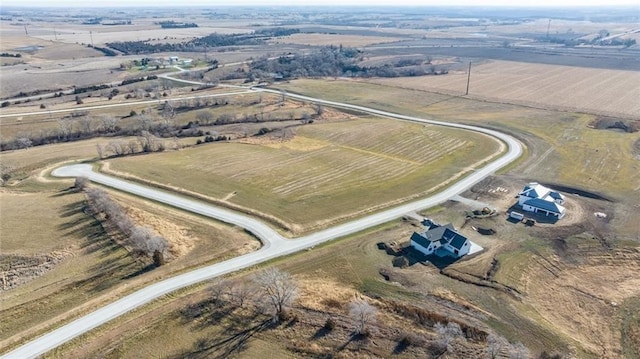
(274,244)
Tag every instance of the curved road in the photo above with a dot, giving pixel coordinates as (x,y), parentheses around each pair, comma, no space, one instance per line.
(274,245)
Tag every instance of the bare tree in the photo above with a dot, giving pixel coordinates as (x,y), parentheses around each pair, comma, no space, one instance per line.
(65,128)
(100,150)
(147,141)
(447,335)
(109,123)
(363,314)
(279,288)
(133,146)
(168,112)
(6,171)
(495,345)
(23,142)
(81,183)
(518,351)
(116,147)
(86,125)
(240,292)
(218,290)
(204,117)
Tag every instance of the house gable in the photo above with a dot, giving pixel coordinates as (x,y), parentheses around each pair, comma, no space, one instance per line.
(442,236)
(545,205)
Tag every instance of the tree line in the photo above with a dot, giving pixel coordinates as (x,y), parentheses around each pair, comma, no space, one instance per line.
(273,293)
(258,37)
(332,61)
(141,240)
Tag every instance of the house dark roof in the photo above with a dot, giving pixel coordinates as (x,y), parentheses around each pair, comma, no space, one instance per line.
(458,240)
(545,205)
(445,234)
(556,195)
(420,239)
(436,233)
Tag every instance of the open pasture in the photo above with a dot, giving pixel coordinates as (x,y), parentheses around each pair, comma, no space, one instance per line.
(597,91)
(577,156)
(326,173)
(91,268)
(334,39)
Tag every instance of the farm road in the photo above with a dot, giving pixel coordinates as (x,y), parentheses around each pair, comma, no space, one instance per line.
(98,107)
(274,245)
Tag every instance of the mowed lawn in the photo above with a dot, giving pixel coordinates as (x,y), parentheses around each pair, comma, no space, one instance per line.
(329,171)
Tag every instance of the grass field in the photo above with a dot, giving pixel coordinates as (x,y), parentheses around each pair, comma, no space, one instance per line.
(327,172)
(352,267)
(576,155)
(612,92)
(92,269)
(334,39)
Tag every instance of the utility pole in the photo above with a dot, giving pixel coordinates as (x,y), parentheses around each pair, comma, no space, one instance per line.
(25,30)
(91,35)
(548,26)
(55,33)
(468,79)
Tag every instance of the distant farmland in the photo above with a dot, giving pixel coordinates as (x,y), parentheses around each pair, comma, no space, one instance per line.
(326,173)
(600,91)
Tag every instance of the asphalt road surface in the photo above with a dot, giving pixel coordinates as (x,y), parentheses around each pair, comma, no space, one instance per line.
(274,245)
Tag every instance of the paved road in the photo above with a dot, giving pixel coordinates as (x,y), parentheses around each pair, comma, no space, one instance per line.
(274,245)
(123,104)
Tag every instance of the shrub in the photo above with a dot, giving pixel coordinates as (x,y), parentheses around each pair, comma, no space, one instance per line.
(5,104)
(400,262)
(330,324)
(407,339)
(158,258)
(332,303)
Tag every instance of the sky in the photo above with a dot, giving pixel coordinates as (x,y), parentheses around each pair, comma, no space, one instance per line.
(178,3)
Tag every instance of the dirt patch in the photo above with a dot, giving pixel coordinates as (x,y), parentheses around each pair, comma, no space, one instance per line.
(180,242)
(610,123)
(579,299)
(635,151)
(578,191)
(16,270)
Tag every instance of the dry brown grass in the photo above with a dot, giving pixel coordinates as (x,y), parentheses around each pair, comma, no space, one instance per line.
(551,86)
(96,268)
(578,156)
(328,174)
(334,39)
(581,300)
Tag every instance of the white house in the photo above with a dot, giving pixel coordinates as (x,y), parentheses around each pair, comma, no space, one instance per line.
(540,199)
(442,240)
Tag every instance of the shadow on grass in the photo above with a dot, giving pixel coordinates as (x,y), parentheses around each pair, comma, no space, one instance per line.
(320,333)
(360,339)
(66,191)
(414,256)
(141,271)
(234,343)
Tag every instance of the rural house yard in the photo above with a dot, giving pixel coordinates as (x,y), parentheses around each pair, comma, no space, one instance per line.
(249,114)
